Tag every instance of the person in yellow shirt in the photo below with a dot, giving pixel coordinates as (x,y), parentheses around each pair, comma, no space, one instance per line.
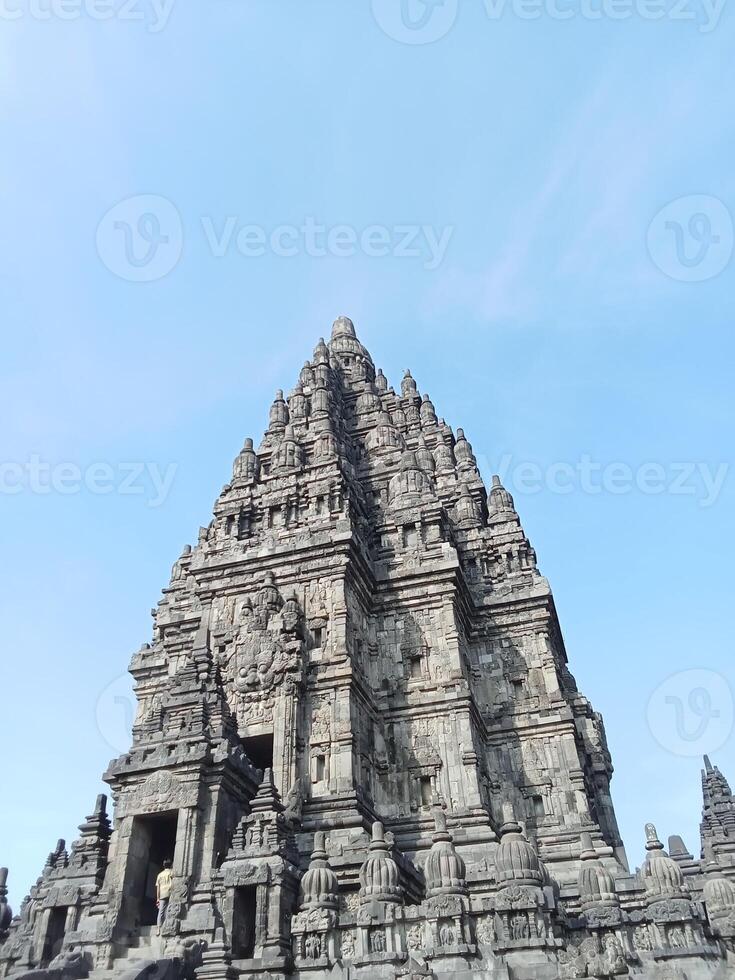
(163,892)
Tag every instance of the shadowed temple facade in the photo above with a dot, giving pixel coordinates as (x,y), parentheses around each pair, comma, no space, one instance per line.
(359,742)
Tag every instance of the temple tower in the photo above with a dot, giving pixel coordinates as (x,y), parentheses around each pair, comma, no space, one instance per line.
(358,740)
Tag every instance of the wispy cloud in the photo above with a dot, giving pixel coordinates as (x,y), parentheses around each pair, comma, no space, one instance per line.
(587,218)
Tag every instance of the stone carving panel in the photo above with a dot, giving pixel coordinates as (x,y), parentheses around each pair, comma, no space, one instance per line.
(159,791)
(262,654)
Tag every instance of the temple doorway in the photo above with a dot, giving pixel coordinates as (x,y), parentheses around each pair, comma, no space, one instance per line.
(243,923)
(55,933)
(259,749)
(152,841)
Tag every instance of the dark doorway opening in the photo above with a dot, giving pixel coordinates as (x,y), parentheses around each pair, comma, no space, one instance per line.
(243,923)
(55,933)
(153,841)
(259,749)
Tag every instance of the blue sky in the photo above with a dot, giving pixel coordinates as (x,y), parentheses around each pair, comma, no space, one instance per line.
(558,324)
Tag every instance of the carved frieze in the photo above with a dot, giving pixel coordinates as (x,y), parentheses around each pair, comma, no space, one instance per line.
(321,722)
(314,920)
(262,654)
(240,874)
(160,790)
(592,958)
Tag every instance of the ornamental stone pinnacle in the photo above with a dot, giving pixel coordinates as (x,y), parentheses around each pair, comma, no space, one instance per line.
(359,744)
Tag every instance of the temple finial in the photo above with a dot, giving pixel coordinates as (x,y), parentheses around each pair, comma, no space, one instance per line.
(343,327)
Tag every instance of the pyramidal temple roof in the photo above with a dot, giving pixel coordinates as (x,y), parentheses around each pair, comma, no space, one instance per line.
(353,444)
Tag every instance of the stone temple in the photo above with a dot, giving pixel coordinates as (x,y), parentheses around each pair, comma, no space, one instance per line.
(359,742)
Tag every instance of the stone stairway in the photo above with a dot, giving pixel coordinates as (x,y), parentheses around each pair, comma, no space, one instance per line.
(145,944)
(144,950)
